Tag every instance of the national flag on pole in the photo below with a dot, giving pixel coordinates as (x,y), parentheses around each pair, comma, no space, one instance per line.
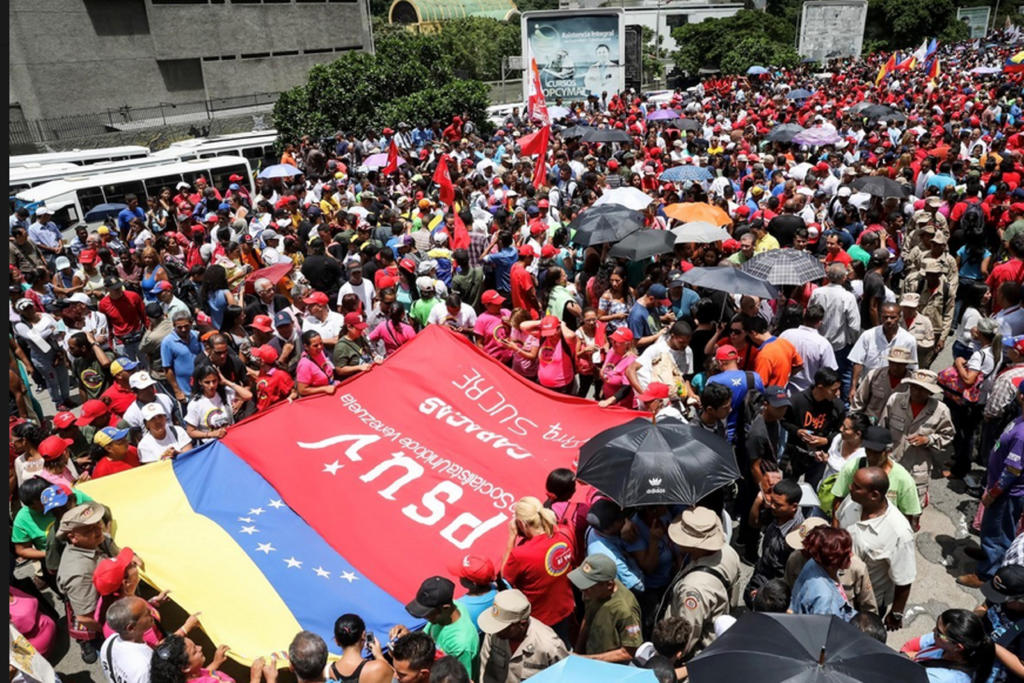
(932,48)
(537,108)
(392,164)
(921,53)
(889,65)
(443,178)
(907,64)
(537,143)
(933,69)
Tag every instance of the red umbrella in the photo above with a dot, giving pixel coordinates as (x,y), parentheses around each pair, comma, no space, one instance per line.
(273,273)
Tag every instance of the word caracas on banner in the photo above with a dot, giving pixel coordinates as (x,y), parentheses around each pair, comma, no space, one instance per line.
(394,478)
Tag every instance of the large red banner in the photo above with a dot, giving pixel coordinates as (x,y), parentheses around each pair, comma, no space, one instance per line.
(414,464)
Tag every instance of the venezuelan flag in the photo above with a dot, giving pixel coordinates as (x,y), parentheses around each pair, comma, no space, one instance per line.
(214,532)
(934,69)
(889,65)
(1014,64)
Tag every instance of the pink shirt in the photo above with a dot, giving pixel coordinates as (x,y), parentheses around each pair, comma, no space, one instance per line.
(490,328)
(316,372)
(524,366)
(556,367)
(613,372)
(25,616)
(392,336)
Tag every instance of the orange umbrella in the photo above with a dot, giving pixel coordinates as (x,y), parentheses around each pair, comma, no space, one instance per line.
(689,212)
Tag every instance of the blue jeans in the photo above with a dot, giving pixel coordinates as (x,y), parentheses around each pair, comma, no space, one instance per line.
(845,368)
(998,529)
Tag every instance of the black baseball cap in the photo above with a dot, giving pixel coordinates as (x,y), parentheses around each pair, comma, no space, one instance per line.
(877,438)
(603,513)
(435,592)
(1007,584)
(777,396)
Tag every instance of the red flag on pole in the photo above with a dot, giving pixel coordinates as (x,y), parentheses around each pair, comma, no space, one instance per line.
(392,164)
(460,238)
(537,108)
(537,143)
(443,177)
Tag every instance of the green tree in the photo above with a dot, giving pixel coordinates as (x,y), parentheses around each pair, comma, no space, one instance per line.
(653,68)
(715,43)
(905,23)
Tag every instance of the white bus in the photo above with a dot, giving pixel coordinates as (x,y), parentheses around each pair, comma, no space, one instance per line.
(24,177)
(71,197)
(81,156)
(257,147)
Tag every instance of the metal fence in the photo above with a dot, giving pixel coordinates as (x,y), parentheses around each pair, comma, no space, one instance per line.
(22,131)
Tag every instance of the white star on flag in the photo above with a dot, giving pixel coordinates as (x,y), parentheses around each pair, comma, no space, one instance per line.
(320,571)
(333,467)
(249,530)
(256,511)
(349,576)
(247,520)
(265,548)
(292,562)
(276,504)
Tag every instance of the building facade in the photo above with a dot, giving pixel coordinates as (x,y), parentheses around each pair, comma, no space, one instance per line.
(83,56)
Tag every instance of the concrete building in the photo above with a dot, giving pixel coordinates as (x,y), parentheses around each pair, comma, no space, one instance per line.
(662,16)
(84,56)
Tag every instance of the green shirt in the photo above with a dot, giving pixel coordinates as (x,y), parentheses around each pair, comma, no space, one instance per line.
(1012,229)
(349,352)
(30,526)
(469,285)
(857,252)
(421,310)
(902,489)
(557,299)
(459,639)
(613,623)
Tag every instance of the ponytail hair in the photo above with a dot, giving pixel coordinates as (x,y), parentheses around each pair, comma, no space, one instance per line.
(966,629)
(532,513)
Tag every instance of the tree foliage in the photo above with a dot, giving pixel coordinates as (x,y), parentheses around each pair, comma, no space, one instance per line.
(905,23)
(735,43)
(360,91)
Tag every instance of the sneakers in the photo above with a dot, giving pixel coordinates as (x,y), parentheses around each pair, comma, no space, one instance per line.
(970,580)
(89,652)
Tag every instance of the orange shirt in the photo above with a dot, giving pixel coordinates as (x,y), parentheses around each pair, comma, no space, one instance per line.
(775,362)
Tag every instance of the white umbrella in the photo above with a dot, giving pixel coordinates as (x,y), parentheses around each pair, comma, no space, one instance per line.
(699,231)
(628,196)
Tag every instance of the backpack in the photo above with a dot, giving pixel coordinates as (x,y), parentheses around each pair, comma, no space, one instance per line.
(973,223)
(750,408)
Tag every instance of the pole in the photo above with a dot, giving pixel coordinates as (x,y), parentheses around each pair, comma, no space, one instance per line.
(369,21)
(995,12)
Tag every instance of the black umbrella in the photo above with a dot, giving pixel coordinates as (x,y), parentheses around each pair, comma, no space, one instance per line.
(800,648)
(784,132)
(606,135)
(574,131)
(729,279)
(785,267)
(879,186)
(892,117)
(603,224)
(875,110)
(684,124)
(646,463)
(644,243)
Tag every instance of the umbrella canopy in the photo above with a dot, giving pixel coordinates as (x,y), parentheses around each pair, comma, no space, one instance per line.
(879,186)
(603,224)
(627,196)
(729,279)
(662,115)
(103,211)
(785,267)
(679,174)
(573,669)
(574,131)
(799,94)
(756,70)
(688,212)
(644,244)
(699,231)
(273,273)
(685,124)
(646,463)
(286,170)
(985,70)
(870,109)
(375,161)
(784,132)
(861,106)
(800,648)
(817,136)
(606,135)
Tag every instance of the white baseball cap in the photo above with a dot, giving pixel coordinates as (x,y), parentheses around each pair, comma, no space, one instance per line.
(151,410)
(80,298)
(141,380)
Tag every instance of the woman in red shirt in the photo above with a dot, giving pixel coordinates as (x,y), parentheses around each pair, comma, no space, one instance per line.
(537,562)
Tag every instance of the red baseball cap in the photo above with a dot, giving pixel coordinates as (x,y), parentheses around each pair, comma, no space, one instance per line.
(526,250)
(548,251)
(479,570)
(622,334)
(316,298)
(235,178)
(355,320)
(549,326)
(655,390)
(543,204)
(88,256)
(492,297)
(727,352)
(53,446)
(263,323)
(537,228)
(109,573)
(266,353)
(91,409)
(407,264)
(63,420)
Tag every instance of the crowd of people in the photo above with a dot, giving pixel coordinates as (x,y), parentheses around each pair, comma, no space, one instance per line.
(155,332)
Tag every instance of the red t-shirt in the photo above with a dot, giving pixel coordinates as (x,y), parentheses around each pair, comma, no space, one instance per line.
(126,313)
(539,567)
(120,399)
(273,387)
(107,466)
(839,257)
(521,284)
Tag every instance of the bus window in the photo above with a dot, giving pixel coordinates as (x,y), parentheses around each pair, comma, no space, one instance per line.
(221,175)
(89,198)
(117,193)
(155,185)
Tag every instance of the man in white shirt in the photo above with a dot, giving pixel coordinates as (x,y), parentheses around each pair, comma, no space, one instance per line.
(813,348)
(453,312)
(357,285)
(676,342)
(144,386)
(872,348)
(327,323)
(271,254)
(841,324)
(883,538)
(125,656)
(161,440)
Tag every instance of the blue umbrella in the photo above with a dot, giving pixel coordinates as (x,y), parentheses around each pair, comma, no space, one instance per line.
(799,94)
(756,70)
(678,174)
(102,212)
(573,669)
(280,171)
